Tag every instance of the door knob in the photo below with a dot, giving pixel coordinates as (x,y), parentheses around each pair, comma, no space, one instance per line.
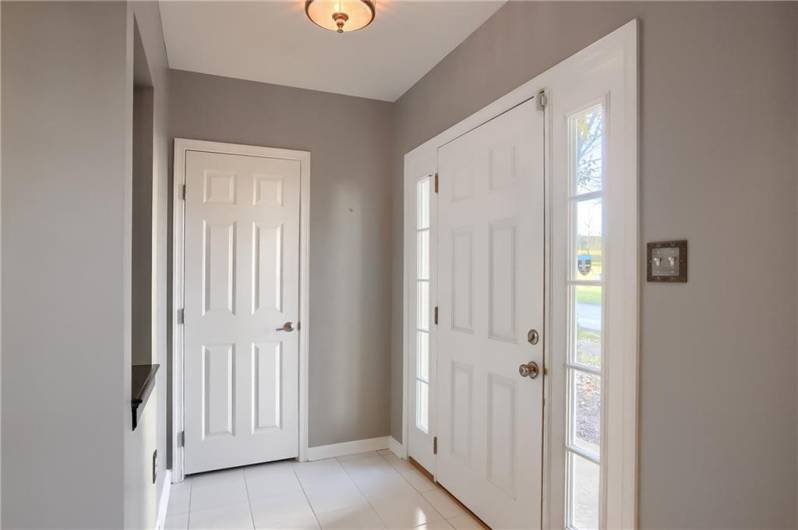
(288,326)
(530,370)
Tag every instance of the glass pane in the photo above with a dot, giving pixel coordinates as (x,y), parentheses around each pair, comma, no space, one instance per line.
(583,478)
(422,406)
(422,355)
(587,325)
(588,251)
(585,428)
(422,203)
(422,303)
(422,255)
(587,129)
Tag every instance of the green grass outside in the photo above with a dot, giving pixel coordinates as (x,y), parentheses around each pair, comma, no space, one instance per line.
(588,294)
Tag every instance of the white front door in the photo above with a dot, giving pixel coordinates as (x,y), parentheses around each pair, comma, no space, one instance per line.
(241,286)
(491,289)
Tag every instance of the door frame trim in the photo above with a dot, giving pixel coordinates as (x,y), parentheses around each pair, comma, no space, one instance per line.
(181,147)
(620,494)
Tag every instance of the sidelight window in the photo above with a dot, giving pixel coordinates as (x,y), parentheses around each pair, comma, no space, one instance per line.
(586,130)
(423,308)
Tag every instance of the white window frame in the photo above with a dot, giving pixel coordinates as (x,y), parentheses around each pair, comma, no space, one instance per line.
(181,147)
(429,182)
(416,444)
(616,56)
(572,198)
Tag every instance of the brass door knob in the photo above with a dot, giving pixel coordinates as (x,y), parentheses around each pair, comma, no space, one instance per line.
(530,370)
(288,326)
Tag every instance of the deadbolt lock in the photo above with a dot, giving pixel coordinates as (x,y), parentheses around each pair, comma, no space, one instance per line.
(533,336)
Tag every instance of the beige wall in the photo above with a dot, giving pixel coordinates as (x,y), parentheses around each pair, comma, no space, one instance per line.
(350,228)
(718,167)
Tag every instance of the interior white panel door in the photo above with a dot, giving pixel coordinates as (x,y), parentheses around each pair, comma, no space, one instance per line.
(491,289)
(241,287)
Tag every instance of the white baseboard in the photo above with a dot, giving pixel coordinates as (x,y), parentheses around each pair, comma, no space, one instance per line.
(163,501)
(348,448)
(397,448)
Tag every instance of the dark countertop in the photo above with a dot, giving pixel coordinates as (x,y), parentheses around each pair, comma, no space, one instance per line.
(142,383)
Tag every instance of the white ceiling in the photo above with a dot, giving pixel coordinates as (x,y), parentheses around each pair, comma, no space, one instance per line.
(273,42)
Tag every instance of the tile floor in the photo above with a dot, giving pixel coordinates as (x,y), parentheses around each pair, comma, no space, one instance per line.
(365,491)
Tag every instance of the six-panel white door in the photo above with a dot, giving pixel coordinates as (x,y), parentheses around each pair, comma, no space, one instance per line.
(491,289)
(241,285)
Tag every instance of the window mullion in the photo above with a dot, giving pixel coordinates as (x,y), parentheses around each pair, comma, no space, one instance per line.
(587,455)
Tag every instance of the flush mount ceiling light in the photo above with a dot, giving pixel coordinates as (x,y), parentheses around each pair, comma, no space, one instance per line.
(340,15)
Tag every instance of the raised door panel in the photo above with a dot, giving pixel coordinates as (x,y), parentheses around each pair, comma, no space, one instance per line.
(501,432)
(462,411)
(219,267)
(267,386)
(267,268)
(218,390)
(219,187)
(501,283)
(462,280)
(267,190)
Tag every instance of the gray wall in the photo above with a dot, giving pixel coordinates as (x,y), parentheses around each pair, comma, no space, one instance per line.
(70,457)
(350,229)
(718,167)
(142,224)
(65,149)
(149,216)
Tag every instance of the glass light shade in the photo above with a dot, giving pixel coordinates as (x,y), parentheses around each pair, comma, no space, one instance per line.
(340,15)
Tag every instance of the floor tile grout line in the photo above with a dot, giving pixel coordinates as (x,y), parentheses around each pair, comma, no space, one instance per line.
(305,493)
(249,499)
(382,457)
(368,501)
(421,493)
(435,488)
(190,493)
(342,466)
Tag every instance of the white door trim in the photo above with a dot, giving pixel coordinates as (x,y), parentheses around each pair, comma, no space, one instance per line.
(181,147)
(621,483)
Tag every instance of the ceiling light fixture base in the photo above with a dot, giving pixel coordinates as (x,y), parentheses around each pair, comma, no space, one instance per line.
(340,16)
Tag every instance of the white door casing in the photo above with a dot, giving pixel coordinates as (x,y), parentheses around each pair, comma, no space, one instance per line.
(242,224)
(491,289)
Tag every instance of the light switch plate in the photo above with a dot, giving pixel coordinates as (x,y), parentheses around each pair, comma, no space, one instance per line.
(667,261)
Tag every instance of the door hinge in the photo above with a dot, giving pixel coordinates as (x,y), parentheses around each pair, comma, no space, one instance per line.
(543,100)
(435,445)
(181,439)
(184,192)
(436,182)
(181,316)
(435,316)
(154,466)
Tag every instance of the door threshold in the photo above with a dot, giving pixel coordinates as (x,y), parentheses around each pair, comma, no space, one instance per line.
(463,506)
(421,469)
(424,471)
